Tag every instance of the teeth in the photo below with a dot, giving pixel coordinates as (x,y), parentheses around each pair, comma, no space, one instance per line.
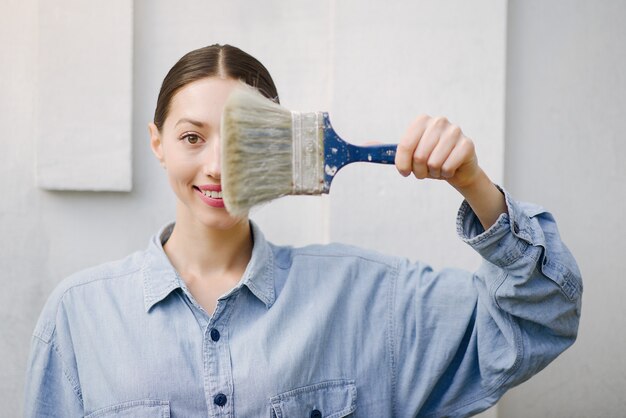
(212,194)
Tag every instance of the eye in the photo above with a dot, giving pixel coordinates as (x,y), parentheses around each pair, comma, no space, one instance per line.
(191,138)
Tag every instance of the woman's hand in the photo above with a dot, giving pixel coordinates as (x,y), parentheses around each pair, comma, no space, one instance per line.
(434,148)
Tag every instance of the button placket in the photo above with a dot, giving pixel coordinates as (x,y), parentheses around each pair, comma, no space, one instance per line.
(218,375)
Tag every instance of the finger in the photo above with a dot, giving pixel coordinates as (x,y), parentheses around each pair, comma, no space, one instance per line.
(408,143)
(449,138)
(462,152)
(429,140)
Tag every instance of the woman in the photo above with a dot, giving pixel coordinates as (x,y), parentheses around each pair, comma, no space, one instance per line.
(212,320)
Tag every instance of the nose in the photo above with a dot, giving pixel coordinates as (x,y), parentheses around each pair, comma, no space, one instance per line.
(212,165)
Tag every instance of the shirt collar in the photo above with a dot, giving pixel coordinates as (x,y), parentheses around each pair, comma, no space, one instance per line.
(160,278)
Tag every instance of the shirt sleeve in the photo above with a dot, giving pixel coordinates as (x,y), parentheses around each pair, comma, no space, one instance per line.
(462,339)
(52,385)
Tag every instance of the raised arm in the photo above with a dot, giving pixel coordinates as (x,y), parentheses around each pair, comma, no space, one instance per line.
(462,339)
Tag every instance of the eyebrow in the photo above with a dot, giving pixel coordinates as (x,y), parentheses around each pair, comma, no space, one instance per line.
(191,121)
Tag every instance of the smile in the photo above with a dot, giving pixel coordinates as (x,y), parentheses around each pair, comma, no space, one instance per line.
(214,195)
(210,194)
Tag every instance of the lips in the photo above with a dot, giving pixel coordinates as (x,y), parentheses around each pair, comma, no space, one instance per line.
(211,194)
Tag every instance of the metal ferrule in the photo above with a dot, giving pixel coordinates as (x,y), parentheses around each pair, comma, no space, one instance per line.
(308,152)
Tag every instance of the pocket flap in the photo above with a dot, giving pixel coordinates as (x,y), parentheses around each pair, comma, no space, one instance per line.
(135,409)
(329,399)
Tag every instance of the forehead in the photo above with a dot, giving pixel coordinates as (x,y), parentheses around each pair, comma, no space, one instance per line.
(206,96)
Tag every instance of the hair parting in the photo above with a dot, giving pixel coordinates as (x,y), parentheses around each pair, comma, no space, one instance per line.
(225,61)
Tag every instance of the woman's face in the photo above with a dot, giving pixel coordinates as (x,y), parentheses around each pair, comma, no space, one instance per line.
(188,146)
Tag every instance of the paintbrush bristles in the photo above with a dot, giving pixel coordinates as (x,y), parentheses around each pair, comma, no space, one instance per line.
(256,150)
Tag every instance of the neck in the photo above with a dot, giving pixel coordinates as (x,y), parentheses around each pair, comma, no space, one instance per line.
(205,252)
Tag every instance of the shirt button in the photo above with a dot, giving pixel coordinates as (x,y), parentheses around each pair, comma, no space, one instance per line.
(316,414)
(215,335)
(220,399)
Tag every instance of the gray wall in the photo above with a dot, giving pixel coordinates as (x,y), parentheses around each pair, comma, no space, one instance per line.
(374,67)
(565,148)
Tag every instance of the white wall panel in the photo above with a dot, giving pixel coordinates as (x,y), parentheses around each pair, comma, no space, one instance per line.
(84,103)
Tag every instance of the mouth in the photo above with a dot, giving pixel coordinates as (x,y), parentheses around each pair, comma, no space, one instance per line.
(214,194)
(210,194)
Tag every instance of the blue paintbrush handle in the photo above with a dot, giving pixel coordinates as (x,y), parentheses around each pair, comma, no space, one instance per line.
(338,153)
(383,154)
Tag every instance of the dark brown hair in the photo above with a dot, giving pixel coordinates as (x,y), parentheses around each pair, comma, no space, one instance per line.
(214,60)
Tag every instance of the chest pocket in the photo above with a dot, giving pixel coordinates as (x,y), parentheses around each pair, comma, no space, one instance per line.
(134,409)
(329,399)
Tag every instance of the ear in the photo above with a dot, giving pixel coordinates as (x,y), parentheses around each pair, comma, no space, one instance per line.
(155,142)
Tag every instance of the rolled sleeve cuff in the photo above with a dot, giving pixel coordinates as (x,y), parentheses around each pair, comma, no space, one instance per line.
(508,239)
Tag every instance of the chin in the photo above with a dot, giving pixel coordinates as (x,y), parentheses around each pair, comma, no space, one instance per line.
(225,225)
(219,219)
(211,218)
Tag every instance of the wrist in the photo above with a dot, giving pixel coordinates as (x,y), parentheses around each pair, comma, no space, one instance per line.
(479,182)
(485,199)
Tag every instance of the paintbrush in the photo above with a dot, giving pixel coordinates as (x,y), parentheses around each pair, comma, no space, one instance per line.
(269,151)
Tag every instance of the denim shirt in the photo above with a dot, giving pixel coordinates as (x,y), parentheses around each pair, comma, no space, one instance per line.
(320,331)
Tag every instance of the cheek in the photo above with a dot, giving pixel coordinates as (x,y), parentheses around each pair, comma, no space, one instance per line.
(180,171)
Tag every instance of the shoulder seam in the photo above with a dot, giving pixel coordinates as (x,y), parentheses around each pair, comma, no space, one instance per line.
(50,326)
(99,278)
(75,385)
(388,264)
